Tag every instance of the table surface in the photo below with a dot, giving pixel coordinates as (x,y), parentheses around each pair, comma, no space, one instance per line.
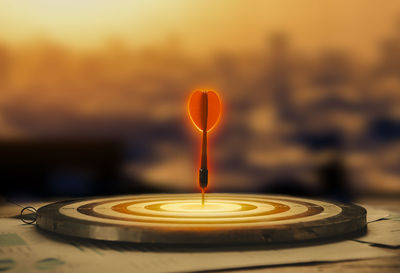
(383,265)
(387,264)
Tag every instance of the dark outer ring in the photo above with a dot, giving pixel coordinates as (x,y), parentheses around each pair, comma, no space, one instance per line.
(351,219)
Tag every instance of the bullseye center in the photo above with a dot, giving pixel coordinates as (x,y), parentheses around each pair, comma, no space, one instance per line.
(194,207)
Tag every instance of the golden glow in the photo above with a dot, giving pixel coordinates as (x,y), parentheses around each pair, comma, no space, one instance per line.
(201,25)
(190,209)
(196,207)
(86,23)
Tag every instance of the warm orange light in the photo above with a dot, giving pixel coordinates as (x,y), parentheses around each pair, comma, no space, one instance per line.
(195,109)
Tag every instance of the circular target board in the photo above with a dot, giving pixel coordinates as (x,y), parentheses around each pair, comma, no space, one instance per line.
(181,219)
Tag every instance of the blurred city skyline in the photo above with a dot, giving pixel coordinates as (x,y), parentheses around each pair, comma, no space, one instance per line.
(299,80)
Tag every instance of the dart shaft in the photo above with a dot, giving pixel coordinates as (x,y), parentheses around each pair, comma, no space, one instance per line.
(203,172)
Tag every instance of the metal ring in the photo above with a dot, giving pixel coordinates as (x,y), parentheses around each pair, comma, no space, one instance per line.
(28,221)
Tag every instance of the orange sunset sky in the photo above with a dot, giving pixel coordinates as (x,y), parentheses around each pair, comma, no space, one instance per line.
(202,26)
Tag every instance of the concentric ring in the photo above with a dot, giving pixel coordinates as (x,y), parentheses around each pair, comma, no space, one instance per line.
(248,210)
(181,218)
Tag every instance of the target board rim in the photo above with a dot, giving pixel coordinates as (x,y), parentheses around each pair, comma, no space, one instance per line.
(66,219)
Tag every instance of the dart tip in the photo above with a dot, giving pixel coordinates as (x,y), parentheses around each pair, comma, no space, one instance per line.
(202,196)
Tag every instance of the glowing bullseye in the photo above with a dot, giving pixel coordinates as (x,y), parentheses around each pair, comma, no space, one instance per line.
(187,209)
(196,207)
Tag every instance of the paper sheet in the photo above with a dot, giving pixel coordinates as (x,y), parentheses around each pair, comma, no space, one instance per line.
(383,232)
(375,214)
(383,227)
(24,249)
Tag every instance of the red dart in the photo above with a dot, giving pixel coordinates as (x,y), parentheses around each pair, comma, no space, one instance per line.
(204,110)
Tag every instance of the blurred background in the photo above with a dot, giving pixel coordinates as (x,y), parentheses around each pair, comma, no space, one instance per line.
(93,96)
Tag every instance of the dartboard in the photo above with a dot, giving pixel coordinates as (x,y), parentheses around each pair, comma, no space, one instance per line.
(182,219)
